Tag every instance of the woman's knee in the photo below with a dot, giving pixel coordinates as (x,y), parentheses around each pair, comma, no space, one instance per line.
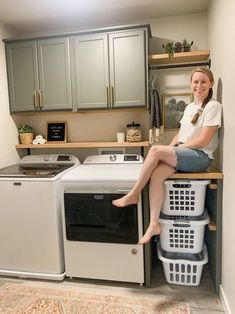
(155,150)
(160,151)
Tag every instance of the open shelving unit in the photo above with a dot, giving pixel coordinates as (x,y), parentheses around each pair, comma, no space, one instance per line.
(84,145)
(181,59)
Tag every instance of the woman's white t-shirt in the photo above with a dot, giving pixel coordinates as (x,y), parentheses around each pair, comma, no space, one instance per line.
(210,116)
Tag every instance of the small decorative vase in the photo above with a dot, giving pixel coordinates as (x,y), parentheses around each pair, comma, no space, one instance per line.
(26,138)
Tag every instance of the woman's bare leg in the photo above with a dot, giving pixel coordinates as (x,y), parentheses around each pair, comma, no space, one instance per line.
(156,154)
(156,197)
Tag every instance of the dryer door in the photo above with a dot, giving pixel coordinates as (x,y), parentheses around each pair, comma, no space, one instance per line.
(91,217)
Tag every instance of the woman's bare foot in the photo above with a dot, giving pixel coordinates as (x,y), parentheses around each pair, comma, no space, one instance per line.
(153,229)
(126,200)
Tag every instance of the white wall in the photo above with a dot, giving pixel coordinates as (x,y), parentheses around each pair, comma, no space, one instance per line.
(8,131)
(176,28)
(221,26)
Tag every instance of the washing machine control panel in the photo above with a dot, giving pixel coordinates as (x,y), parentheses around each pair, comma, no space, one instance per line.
(113,159)
(49,159)
(131,157)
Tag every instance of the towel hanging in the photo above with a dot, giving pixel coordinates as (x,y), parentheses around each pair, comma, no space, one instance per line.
(155,112)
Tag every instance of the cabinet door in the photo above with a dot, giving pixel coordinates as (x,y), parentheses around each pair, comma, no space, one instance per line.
(90,80)
(127,68)
(54,74)
(22,75)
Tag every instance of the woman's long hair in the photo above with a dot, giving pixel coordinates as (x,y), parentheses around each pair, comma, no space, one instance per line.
(209,74)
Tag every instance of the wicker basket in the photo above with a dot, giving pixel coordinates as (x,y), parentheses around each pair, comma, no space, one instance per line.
(26,138)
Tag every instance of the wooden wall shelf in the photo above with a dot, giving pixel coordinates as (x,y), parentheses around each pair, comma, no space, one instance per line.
(84,145)
(181,57)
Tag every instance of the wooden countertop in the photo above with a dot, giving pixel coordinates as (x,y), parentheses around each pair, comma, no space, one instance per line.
(210,173)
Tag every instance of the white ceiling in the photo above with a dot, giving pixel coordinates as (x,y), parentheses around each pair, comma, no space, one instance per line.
(31,16)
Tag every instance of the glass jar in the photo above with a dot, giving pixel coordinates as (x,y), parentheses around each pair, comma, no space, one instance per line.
(133,132)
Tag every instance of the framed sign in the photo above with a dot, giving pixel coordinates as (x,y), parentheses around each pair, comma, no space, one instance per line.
(173,108)
(57,132)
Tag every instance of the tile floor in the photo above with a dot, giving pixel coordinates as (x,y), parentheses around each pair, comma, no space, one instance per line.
(202,299)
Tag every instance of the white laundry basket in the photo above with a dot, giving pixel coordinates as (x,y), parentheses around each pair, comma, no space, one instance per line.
(184,197)
(182,268)
(183,233)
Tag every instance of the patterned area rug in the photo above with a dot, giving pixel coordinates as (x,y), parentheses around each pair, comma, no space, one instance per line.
(22,299)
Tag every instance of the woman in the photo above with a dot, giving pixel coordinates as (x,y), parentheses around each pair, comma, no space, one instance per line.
(191,150)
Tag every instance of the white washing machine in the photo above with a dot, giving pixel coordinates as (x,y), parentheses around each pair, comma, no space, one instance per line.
(101,240)
(31,238)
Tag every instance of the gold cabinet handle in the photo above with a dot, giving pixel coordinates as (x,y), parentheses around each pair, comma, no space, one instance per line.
(107,96)
(35,101)
(111,96)
(40,98)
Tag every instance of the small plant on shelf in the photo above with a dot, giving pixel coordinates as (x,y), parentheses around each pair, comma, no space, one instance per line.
(186,45)
(169,48)
(178,47)
(25,134)
(25,128)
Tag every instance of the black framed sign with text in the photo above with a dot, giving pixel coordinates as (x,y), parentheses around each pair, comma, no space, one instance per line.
(57,132)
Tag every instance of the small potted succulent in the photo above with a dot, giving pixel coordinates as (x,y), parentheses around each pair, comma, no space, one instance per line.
(25,134)
(186,45)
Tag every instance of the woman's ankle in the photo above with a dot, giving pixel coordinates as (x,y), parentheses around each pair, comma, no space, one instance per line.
(153,230)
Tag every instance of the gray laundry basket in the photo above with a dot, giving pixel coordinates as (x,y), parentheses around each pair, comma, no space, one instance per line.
(183,233)
(183,268)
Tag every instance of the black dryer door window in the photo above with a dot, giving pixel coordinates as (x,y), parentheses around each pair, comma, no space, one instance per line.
(93,218)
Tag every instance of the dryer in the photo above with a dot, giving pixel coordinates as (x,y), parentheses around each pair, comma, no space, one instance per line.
(101,240)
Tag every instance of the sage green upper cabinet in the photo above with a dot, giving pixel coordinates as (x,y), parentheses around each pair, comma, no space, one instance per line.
(109,69)
(54,73)
(39,75)
(22,72)
(127,59)
(90,68)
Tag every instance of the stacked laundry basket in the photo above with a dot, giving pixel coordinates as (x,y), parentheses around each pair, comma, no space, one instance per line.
(183,219)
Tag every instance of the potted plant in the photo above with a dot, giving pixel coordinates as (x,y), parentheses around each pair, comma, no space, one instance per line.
(186,45)
(169,48)
(178,47)
(25,134)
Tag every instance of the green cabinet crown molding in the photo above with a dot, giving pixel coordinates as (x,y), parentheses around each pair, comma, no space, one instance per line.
(81,32)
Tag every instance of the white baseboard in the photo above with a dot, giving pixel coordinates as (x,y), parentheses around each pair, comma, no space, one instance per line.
(224,301)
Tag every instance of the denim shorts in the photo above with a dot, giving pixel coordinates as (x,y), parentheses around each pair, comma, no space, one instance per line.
(191,160)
